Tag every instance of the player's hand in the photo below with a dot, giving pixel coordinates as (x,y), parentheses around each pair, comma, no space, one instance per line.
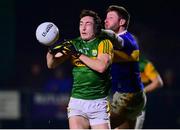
(117,41)
(59,47)
(108,32)
(66,48)
(72,50)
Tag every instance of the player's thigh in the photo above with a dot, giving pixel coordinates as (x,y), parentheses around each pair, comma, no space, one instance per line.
(127,124)
(78,122)
(117,119)
(101,126)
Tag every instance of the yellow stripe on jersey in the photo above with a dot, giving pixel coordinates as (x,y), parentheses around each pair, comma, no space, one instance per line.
(105,46)
(120,56)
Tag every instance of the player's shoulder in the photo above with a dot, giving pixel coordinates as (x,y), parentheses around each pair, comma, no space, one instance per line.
(130,41)
(103,36)
(105,41)
(76,41)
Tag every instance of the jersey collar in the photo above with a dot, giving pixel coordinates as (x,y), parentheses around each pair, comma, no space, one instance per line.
(123,32)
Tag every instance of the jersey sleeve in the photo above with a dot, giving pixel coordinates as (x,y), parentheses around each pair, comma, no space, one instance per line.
(105,46)
(150,71)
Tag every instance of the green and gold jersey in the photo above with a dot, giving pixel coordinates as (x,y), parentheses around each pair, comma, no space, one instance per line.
(87,83)
(148,71)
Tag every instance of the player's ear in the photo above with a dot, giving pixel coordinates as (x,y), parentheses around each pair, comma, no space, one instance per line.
(122,22)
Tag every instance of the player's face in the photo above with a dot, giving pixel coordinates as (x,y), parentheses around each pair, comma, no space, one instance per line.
(86,27)
(112,21)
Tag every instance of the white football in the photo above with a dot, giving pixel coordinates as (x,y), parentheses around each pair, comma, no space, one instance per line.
(47,33)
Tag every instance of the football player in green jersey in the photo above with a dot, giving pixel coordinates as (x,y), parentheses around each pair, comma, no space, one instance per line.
(151,80)
(91,56)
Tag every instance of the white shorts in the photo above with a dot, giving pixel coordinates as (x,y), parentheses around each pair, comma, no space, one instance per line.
(96,111)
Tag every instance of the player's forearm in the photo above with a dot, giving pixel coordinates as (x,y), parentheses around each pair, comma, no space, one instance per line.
(150,88)
(117,41)
(120,56)
(52,61)
(154,85)
(99,65)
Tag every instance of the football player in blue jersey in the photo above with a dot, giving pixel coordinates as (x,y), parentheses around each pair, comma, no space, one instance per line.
(129,98)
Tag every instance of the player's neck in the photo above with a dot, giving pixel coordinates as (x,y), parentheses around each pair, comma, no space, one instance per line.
(121,29)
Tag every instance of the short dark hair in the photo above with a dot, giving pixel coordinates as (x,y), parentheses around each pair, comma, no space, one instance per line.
(122,13)
(97,19)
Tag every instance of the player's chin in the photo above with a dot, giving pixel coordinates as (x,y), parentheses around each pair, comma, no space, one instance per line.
(106,26)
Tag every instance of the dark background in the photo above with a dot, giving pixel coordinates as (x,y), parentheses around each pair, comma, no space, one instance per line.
(155,23)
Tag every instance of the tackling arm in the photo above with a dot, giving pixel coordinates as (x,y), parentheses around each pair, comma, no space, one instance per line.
(117,41)
(155,84)
(154,76)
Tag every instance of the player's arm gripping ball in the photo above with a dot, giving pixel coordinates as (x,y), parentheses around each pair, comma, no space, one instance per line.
(60,47)
(66,48)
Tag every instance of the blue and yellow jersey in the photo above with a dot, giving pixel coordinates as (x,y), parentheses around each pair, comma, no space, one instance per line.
(125,68)
(148,71)
(87,83)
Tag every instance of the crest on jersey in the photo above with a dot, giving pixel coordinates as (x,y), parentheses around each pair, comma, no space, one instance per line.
(94,52)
